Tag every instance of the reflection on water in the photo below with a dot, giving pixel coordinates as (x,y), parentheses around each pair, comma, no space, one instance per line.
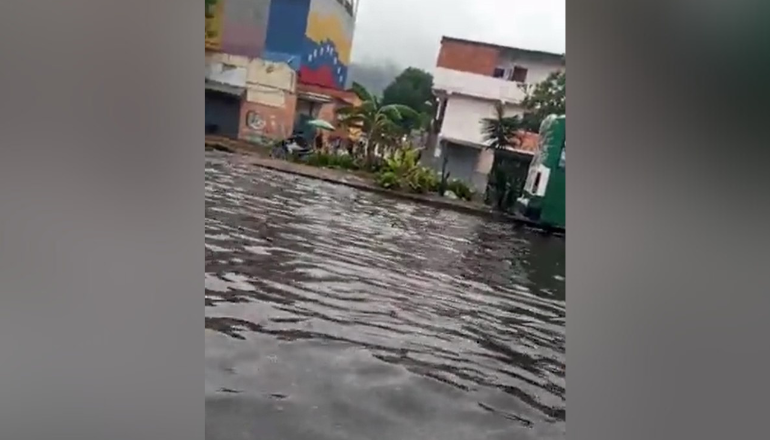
(337,314)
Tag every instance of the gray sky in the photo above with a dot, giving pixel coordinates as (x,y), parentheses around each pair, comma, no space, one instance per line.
(408,32)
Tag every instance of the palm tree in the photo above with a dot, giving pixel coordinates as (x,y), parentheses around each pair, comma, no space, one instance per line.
(501,131)
(507,177)
(378,123)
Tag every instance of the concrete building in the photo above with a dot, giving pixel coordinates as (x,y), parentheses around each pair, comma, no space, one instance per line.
(273,64)
(469,79)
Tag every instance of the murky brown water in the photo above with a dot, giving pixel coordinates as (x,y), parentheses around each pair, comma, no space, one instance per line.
(337,314)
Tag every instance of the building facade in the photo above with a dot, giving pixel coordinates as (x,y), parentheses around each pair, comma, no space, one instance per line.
(275,64)
(469,80)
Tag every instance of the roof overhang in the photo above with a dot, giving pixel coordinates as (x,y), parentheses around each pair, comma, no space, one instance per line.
(462,142)
(314,97)
(227,89)
(514,151)
(446,93)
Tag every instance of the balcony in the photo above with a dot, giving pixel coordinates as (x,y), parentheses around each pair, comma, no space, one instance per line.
(477,86)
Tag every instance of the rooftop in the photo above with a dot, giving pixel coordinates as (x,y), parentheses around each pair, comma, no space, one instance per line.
(538,53)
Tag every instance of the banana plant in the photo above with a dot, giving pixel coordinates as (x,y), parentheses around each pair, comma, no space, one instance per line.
(378,123)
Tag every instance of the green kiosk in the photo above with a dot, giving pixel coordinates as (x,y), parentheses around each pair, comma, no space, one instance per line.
(544,196)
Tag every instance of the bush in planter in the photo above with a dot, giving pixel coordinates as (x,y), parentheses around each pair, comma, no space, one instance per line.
(388,180)
(424,180)
(403,171)
(327,160)
(460,189)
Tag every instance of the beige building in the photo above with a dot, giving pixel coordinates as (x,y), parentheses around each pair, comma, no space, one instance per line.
(469,80)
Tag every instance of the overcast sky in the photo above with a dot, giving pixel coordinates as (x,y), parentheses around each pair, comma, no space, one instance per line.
(408,32)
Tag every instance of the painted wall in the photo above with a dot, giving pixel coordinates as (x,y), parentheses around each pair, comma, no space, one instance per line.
(260,123)
(227,69)
(285,38)
(267,108)
(314,37)
(462,120)
(328,43)
(270,83)
(214,18)
(245,27)
(256,74)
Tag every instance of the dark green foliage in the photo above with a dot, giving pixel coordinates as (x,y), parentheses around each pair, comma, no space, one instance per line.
(460,189)
(403,171)
(388,180)
(500,130)
(336,161)
(546,98)
(507,179)
(412,88)
(378,122)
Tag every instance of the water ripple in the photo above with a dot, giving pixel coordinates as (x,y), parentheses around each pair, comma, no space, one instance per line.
(374,318)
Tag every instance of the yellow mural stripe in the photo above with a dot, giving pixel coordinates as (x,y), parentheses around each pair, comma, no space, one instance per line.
(214,15)
(321,28)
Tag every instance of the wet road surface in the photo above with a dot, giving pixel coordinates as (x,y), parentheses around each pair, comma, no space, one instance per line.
(333,313)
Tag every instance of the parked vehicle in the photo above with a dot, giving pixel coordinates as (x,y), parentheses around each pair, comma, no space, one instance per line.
(296,145)
(544,197)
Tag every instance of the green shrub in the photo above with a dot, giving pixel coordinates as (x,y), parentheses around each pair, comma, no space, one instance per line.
(388,180)
(403,171)
(423,180)
(345,162)
(326,160)
(460,189)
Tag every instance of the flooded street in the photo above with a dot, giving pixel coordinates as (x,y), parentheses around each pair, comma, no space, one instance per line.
(333,313)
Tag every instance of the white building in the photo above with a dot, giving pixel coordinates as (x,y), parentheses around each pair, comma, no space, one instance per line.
(470,78)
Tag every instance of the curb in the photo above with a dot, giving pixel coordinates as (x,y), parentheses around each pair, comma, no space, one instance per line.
(294,169)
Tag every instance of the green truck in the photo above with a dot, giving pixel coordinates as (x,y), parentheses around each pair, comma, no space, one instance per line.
(544,196)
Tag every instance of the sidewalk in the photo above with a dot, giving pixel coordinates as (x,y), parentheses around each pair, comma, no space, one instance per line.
(259,156)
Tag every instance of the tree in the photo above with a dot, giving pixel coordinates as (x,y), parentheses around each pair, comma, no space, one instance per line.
(508,173)
(378,122)
(414,89)
(501,131)
(545,98)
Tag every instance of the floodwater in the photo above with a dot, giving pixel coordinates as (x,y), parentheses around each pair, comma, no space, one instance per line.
(333,313)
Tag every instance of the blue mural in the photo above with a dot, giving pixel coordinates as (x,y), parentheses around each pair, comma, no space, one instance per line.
(314,37)
(328,43)
(322,65)
(285,40)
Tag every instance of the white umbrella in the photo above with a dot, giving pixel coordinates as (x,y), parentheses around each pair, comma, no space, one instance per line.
(320,123)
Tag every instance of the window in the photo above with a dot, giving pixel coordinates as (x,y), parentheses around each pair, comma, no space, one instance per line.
(519,74)
(536,185)
(499,72)
(442,111)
